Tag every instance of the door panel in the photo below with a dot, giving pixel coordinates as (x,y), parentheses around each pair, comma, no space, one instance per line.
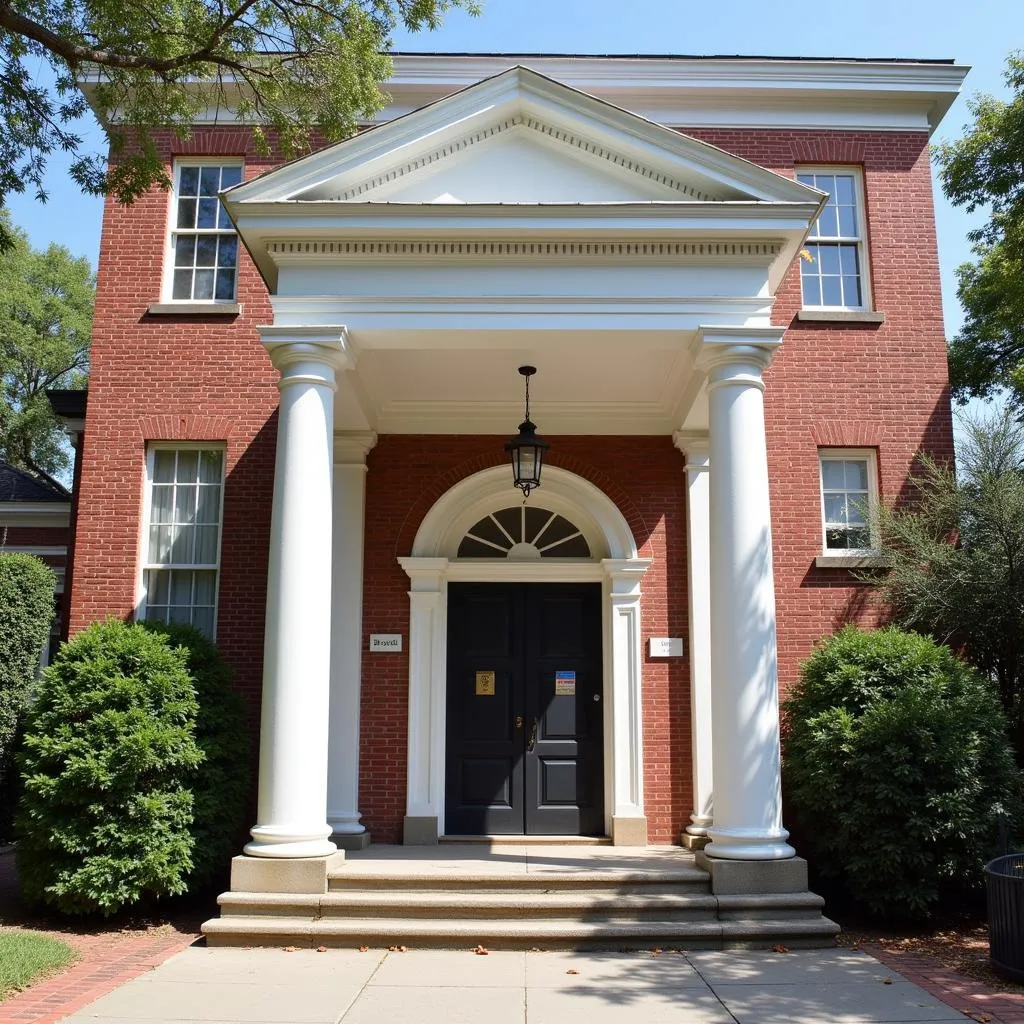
(526,758)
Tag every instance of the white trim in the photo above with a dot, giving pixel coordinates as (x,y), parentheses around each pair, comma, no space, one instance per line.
(861,239)
(870,456)
(430,570)
(39,550)
(49,515)
(167,279)
(144,523)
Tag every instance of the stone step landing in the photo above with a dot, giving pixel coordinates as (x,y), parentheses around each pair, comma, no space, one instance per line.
(548,899)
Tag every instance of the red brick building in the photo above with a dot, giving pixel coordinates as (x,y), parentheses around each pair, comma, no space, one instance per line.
(725,273)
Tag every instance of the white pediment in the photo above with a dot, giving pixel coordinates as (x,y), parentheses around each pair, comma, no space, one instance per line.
(520,138)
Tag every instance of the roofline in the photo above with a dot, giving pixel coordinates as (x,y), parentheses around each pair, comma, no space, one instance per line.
(516,55)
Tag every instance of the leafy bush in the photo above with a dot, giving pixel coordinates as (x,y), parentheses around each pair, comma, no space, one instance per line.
(221,789)
(896,764)
(26,611)
(108,761)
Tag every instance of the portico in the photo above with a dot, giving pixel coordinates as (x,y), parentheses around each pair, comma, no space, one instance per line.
(411,270)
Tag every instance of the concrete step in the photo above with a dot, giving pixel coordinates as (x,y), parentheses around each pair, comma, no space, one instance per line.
(246,930)
(681,879)
(474,905)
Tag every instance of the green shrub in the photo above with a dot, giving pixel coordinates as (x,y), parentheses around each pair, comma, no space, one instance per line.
(108,762)
(896,764)
(26,611)
(221,789)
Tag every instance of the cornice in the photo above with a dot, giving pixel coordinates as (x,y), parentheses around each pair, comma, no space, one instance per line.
(454,250)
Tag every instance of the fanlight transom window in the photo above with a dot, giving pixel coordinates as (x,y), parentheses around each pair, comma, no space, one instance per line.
(522,533)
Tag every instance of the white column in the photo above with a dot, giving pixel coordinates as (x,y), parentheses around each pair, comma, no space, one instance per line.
(745,696)
(698,562)
(347,632)
(623,717)
(428,641)
(292,811)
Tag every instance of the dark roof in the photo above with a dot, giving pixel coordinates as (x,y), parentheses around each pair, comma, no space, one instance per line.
(68,402)
(17,485)
(673,56)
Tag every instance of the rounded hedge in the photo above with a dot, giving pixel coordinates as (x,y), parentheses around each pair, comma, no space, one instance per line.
(108,760)
(221,788)
(896,765)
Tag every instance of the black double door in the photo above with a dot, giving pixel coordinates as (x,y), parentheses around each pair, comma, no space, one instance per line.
(524,749)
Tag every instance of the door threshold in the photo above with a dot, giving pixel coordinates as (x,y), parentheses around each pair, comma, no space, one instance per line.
(507,840)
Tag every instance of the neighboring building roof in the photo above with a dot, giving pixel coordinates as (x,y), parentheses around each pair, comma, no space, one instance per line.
(17,485)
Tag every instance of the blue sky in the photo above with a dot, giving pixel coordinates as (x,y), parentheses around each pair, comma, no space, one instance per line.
(979,34)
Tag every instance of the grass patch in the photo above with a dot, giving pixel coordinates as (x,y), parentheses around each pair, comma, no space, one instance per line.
(27,956)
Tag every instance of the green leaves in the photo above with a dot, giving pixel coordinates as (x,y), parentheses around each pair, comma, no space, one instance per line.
(291,67)
(46,307)
(985,170)
(108,762)
(895,761)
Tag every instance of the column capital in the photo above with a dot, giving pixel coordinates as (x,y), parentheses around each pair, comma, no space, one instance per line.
(695,446)
(625,575)
(352,447)
(743,350)
(293,348)
(427,575)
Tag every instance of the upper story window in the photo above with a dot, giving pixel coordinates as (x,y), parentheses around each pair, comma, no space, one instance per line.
(833,271)
(181,539)
(204,245)
(849,499)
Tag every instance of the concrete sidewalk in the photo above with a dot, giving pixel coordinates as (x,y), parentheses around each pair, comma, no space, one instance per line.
(273,986)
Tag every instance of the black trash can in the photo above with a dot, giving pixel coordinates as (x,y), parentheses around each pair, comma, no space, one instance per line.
(1004,884)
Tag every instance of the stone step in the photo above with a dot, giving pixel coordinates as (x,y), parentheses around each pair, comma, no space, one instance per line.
(471,905)
(247,930)
(681,879)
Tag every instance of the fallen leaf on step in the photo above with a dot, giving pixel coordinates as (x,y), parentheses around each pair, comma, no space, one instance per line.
(656,952)
(321,949)
(481,950)
(397,949)
(780,949)
(887,981)
(364,949)
(291,949)
(572,970)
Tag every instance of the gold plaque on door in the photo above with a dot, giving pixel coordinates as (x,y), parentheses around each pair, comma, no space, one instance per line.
(485,684)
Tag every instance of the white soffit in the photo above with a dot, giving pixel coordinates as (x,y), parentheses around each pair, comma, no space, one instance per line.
(533,127)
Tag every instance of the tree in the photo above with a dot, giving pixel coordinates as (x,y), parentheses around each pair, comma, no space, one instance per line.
(957,556)
(287,66)
(985,170)
(46,304)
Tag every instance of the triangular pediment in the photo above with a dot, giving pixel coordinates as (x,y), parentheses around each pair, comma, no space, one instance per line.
(520,138)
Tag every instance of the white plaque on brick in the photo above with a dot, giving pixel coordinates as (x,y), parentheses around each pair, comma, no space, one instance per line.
(666,646)
(385,642)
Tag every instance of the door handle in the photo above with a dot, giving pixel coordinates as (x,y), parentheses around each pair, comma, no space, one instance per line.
(518,724)
(532,741)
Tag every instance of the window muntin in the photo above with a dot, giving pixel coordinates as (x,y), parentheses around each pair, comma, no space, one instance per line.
(832,269)
(524,532)
(849,497)
(204,245)
(181,544)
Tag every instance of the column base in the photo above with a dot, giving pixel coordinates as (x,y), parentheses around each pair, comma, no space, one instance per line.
(695,835)
(271,841)
(295,875)
(693,842)
(420,831)
(748,844)
(629,831)
(754,877)
(351,840)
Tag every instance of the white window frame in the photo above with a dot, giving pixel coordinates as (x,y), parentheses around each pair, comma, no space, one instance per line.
(861,239)
(172,227)
(152,447)
(870,456)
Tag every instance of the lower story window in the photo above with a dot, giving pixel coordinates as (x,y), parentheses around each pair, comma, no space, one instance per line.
(182,545)
(849,499)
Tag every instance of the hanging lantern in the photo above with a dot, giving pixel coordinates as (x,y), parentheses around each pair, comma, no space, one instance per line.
(526,448)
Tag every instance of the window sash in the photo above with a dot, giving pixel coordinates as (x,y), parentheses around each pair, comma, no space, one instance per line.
(859,503)
(184,492)
(202,260)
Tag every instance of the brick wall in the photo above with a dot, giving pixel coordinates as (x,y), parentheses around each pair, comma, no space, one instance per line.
(161,378)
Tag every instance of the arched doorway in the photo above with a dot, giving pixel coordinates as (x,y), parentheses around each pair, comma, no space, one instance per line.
(572,539)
